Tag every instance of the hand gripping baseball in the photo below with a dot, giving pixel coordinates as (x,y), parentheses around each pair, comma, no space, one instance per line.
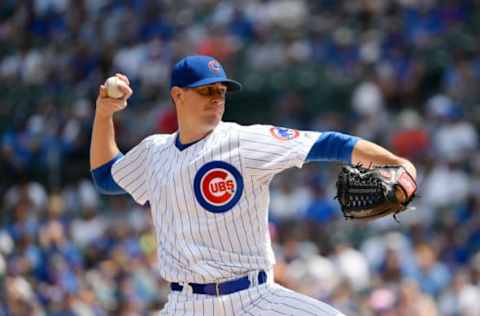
(107,105)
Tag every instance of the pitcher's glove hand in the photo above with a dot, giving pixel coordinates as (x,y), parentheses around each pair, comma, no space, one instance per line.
(372,193)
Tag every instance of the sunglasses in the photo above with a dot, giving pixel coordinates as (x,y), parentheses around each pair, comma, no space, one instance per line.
(211,91)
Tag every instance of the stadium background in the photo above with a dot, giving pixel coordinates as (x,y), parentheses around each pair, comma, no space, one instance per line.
(403,73)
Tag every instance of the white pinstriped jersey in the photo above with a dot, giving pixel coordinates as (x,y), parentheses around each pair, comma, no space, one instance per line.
(209,201)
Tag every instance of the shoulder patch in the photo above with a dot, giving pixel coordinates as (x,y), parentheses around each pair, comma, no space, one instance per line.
(282,133)
(218,186)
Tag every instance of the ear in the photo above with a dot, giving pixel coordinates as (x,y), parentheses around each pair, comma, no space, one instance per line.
(176,94)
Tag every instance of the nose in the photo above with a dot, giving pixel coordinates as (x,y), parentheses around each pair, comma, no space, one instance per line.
(218,95)
(217,100)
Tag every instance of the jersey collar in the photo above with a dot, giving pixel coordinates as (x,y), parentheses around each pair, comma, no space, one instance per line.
(181,146)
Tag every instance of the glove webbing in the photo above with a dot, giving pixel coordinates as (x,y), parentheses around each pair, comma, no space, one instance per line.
(364,192)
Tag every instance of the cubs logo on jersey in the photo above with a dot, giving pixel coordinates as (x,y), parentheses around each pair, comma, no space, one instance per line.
(282,133)
(218,186)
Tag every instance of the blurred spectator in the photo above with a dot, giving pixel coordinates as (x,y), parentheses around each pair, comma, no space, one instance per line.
(413,302)
(411,140)
(322,209)
(288,200)
(437,190)
(462,297)
(431,275)
(381,302)
(352,266)
(455,138)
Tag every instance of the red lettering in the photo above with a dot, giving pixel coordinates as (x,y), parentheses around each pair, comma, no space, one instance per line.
(222,186)
(214,187)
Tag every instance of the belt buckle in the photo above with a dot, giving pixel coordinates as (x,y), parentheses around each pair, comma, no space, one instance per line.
(217,289)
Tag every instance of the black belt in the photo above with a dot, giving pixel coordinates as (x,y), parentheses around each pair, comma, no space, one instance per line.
(223,288)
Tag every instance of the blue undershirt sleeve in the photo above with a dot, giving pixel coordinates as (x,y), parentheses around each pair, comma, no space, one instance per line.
(102,177)
(333,146)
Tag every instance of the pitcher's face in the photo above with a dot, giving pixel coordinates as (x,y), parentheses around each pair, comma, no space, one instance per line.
(205,105)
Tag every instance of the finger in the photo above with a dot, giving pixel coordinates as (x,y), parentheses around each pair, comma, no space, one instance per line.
(123,78)
(120,106)
(112,107)
(124,99)
(113,103)
(102,92)
(125,89)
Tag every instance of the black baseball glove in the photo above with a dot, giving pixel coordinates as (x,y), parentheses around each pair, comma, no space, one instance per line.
(366,194)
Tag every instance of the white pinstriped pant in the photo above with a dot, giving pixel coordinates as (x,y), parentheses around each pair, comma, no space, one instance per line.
(262,300)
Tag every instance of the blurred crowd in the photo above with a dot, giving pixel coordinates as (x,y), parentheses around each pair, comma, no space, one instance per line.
(402,73)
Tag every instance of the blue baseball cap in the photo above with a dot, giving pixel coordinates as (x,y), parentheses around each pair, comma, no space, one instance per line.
(196,71)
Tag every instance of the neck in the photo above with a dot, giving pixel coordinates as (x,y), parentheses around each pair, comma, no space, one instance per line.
(189,135)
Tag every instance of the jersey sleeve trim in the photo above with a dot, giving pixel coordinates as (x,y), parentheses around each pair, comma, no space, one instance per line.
(333,146)
(103,179)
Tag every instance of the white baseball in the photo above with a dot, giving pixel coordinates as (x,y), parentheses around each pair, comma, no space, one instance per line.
(113,90)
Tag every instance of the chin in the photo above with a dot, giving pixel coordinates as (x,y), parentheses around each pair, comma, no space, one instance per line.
(213,119)
(214,122)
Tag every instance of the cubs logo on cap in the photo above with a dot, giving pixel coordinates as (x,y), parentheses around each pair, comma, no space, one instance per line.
(282,133)
(218,186)
(214,66)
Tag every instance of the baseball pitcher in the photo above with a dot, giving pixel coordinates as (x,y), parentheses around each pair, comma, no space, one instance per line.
(208,189)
